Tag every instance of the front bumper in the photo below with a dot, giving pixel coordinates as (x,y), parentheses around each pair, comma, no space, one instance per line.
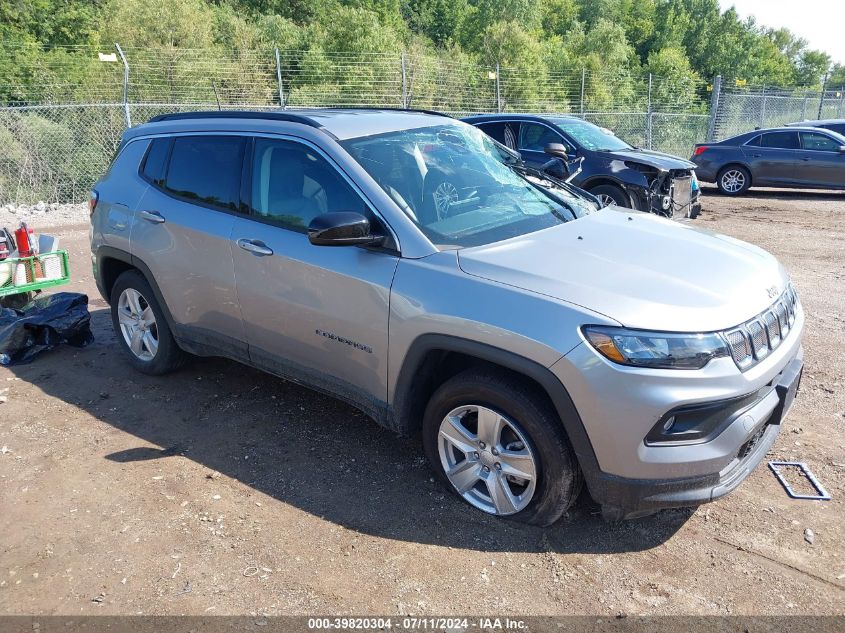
(619,407)
(623,498)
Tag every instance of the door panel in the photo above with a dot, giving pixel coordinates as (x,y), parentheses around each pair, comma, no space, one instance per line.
(189,255)
(317,314)
(181,231)
(773,161)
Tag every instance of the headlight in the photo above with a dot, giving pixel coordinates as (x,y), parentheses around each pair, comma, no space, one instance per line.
(657,350)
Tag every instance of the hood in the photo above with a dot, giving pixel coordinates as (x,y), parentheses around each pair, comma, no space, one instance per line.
(640,270)
(653,159)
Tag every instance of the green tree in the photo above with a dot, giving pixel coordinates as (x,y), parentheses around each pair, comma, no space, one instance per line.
(160,23)
(675,84)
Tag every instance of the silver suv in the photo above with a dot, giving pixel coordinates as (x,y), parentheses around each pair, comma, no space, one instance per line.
(410,265)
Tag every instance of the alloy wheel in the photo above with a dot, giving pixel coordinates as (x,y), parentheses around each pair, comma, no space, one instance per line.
(733,181)
(488,459)
(137,324)
(605,200)
(445,195)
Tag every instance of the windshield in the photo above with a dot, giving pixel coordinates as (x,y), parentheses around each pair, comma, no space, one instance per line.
(460,187)
(591,136)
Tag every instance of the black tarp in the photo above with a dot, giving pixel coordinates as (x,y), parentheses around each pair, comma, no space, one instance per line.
(43,324)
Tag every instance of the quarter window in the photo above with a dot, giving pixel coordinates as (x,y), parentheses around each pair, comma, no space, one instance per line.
(206,169)
(292,184)
(155,161)
(818,142)
(780,140)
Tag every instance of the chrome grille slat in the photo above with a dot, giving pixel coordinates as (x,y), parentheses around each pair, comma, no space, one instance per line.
(770,320)
(759,341)
(752,341)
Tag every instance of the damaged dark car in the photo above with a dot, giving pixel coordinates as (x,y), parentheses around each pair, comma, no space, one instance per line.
(612,170)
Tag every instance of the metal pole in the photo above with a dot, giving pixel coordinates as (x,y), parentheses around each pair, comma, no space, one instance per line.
(714,107)
(821,101)
(125,85)
(763,110)
(279,79)
(804,107)
(583,81)
(649,121)
(498,90)
(405,101)
(841,99)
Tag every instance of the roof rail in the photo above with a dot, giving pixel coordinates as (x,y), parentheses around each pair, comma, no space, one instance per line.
(236,114)
(278,116)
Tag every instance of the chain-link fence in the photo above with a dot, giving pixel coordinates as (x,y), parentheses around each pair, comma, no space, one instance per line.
(741,109)
(64,110)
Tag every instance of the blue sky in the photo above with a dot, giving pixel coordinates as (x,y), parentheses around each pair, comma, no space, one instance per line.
(820,22)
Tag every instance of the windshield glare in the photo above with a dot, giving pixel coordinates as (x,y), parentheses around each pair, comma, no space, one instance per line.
(460,187)
(591,136)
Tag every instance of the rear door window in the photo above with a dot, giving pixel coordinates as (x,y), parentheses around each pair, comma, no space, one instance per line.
(780,140)
(207,170)
(502,131)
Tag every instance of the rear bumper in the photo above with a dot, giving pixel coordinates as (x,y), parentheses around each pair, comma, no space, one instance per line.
(623,498)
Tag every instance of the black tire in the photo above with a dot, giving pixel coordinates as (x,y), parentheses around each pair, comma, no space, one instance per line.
(724,174)
(559,478)
(168,356)
(620,199)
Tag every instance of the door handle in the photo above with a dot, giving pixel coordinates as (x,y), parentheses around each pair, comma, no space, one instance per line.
(806,158)
(257,247)
(152,216)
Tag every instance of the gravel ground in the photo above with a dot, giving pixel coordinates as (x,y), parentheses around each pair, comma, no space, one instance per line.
(221,490)
(43,214)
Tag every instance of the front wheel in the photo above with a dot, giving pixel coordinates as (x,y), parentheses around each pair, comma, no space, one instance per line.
(611,194)
(493,440)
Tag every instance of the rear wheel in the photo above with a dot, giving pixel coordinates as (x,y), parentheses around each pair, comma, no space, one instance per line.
(733,180)
(611,194)
(141,328)
(494,441)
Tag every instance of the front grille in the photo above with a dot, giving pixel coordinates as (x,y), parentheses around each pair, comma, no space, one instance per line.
(752,341)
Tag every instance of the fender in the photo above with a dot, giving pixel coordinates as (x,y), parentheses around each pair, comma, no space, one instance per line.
(109,252)
(410,380)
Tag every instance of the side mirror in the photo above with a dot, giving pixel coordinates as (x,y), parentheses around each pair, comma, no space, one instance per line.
(842,149)
(342,228)
(556,149)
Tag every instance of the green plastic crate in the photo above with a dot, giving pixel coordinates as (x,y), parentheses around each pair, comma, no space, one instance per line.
(25,274)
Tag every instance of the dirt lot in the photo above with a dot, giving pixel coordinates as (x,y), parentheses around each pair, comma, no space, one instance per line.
(220,490)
